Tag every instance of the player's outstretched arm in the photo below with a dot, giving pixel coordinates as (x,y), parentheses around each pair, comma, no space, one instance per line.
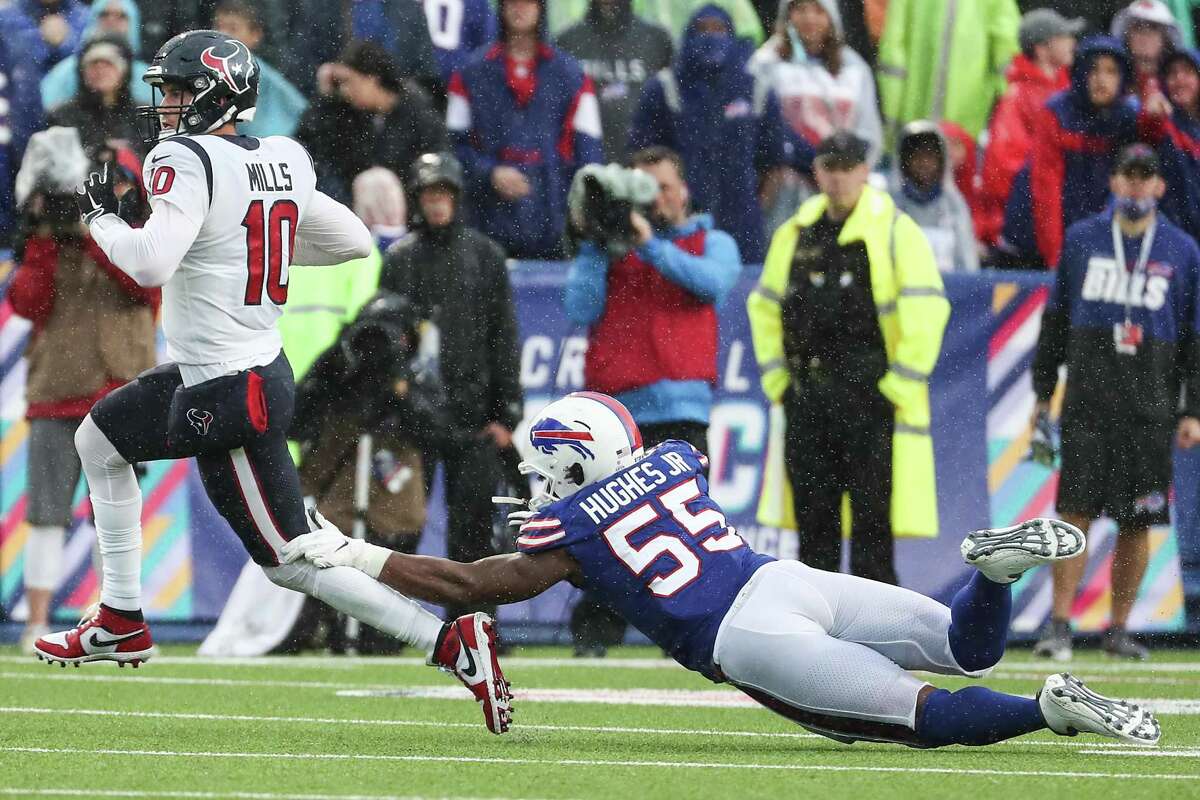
(330,234)
(499,579)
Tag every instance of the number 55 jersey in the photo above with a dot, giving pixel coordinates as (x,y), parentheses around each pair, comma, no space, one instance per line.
(656,548)
(250,198)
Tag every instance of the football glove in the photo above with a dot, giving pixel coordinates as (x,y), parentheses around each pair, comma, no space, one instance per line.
(515,518)
(96,197)
(328,547)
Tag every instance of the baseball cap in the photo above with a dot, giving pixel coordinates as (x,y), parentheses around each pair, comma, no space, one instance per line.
(1043,24)
(842,149)
(1137,158)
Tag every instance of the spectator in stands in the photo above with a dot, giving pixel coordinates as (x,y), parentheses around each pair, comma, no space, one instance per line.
(725,123)
(1122,319)
(458,34)
(1079,134)
(280,104)
(928,72)
(367,115)
(20,117)
(847,321)
(457,282)
(823,86)
(523,117)
(922,186)
(102,109)
(281,20)
(1037,72)
(44,31)
(1149,33)
(670,15)
(619,52)
(1172,123)
(93,331)
(116,17)
(652,340)
(321,29)
(964,161)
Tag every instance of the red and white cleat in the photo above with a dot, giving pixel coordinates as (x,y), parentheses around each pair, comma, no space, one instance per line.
(467,650)
(102,636)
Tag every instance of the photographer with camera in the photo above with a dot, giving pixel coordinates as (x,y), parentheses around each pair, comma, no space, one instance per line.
(365,412)
(93,330)
(457,282)
(647,280)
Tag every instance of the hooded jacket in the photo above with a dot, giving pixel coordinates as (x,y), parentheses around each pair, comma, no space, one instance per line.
(1158,13)
(619,56)
(97,122)
(725,124)
(671,15)
(945,59)
(1177,140)
(19,26)
(816,103)
(942,214)
(1010,138)
(547,136)
(1075,147)
(62,82)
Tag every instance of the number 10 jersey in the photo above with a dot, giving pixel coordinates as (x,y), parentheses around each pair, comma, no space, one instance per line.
(249,196)
(655,547)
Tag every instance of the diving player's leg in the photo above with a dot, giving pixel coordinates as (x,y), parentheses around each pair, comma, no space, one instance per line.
(256,489)
(127,426)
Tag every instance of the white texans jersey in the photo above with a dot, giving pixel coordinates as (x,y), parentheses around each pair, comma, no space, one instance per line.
(250,198)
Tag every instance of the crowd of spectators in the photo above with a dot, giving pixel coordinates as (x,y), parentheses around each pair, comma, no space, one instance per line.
(525,92)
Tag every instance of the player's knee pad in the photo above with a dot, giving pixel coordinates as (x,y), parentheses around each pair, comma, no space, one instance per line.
(94,448)
(299,577)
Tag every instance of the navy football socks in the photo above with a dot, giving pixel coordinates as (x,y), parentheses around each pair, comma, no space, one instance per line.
(979,615)
(976,716)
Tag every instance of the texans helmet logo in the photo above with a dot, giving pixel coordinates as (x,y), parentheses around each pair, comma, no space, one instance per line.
(200,420)
(550,433)
(234,67)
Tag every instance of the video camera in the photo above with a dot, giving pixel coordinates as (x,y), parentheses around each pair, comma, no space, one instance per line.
(600,202)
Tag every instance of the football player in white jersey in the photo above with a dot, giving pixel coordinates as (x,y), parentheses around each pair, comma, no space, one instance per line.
(229,214)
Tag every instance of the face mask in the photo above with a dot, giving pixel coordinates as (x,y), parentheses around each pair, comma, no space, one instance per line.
(1134,209)
(708,50)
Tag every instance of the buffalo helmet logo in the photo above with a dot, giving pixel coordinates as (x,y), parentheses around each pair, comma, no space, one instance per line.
(232,63)
(550,433)
(200,420)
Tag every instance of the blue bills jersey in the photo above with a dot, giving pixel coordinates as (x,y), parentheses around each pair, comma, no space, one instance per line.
(656,548)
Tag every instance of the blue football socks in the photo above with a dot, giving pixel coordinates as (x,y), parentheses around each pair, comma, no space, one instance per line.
(979,616)
(976,716)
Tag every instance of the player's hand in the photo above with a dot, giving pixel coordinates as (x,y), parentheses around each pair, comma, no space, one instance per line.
(519,517)
(327,547)
(641,228)
(96,197)
(1188,433)
(510,183)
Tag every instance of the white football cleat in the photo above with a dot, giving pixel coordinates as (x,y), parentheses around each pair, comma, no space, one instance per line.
(1069,708)
(1003,554)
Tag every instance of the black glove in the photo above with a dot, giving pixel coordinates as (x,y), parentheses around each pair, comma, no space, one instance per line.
(96,198)
(133,208)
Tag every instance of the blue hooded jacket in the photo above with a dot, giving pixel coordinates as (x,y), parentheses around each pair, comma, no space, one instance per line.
(726,125)
(20,118)
(62,81)
(1177,140)
(19,26)
(547,139)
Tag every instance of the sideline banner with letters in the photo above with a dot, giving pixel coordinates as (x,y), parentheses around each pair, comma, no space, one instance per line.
(981,403)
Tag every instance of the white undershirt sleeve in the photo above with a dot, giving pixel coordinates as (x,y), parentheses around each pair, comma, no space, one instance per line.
(150,255)
(330,234)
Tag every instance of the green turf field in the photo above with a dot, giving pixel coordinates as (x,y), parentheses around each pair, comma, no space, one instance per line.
(629,727)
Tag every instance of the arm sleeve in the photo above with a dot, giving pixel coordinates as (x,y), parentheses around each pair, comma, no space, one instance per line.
(583,125)
(330,234)
(868,125)
(893,63)
(151,254)
(1046,172)
(477,165)
(764,308)
(964,237)
(776,143)
(709,277)
(1055,332)
(587,285)
(32,289)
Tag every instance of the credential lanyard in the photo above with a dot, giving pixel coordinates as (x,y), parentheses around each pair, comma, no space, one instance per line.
(1143,257)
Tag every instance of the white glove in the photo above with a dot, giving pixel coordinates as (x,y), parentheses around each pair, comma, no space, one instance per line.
(329,547)
(515,518)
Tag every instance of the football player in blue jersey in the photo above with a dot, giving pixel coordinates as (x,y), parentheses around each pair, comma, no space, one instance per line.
(832,652)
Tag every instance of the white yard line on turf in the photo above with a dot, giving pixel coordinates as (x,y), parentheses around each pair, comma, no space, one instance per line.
(410,723)
(577,762)
(10,792)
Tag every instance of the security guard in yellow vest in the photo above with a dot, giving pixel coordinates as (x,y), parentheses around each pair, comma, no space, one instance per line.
(847,321)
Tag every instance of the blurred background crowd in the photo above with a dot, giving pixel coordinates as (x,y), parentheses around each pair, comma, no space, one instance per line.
(454,128)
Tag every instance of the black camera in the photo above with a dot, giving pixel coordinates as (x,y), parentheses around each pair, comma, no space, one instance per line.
(601,201)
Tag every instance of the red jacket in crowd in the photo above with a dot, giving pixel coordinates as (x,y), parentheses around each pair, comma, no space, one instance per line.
(1010,140)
